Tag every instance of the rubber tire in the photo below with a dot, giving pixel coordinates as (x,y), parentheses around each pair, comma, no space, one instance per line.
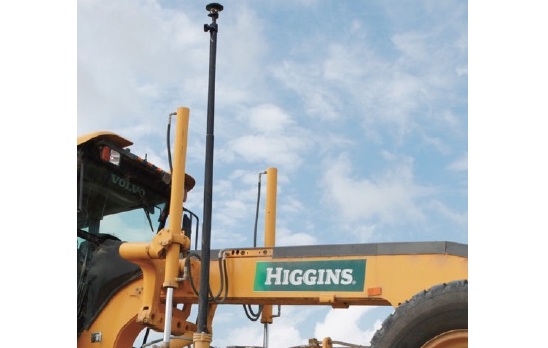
(442,308)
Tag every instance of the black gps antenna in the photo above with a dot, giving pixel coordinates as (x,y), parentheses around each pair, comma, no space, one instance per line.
(213,10)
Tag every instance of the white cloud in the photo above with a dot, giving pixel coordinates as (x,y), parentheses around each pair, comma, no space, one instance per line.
(345,63)
(131,57)
(343,325)
(390,197)
(269,119)
(363,231)
(283,332)
(305,79)
(460,164)
(412,45)
(241,46)
(439,208)
(281,151)
(286,237)
(276,140)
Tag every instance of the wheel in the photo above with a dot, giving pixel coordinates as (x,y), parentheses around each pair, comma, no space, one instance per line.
(434,318)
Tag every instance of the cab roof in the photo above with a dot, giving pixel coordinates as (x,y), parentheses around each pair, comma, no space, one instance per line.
(105,135)
(122,142)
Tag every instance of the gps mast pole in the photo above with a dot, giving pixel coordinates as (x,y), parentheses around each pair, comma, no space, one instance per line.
(202,337)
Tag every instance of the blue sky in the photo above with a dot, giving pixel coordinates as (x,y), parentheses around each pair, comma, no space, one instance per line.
(361,106)
(362,103)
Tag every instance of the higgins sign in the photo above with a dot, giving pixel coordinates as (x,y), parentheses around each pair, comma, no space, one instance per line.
(345,275)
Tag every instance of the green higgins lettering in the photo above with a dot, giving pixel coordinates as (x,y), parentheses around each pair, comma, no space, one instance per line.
(346,275)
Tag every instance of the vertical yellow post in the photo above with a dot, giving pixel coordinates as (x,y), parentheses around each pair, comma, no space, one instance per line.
(270,209)
(177,196)
(270,229)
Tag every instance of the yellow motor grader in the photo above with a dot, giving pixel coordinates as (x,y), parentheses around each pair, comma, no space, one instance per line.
(125,286)
(129,282)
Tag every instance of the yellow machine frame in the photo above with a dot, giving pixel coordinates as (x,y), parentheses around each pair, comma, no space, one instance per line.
(394,272)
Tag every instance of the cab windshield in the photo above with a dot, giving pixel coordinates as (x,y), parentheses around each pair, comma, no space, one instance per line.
(133,225)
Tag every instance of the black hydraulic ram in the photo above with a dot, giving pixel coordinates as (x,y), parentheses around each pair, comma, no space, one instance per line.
(202,338)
